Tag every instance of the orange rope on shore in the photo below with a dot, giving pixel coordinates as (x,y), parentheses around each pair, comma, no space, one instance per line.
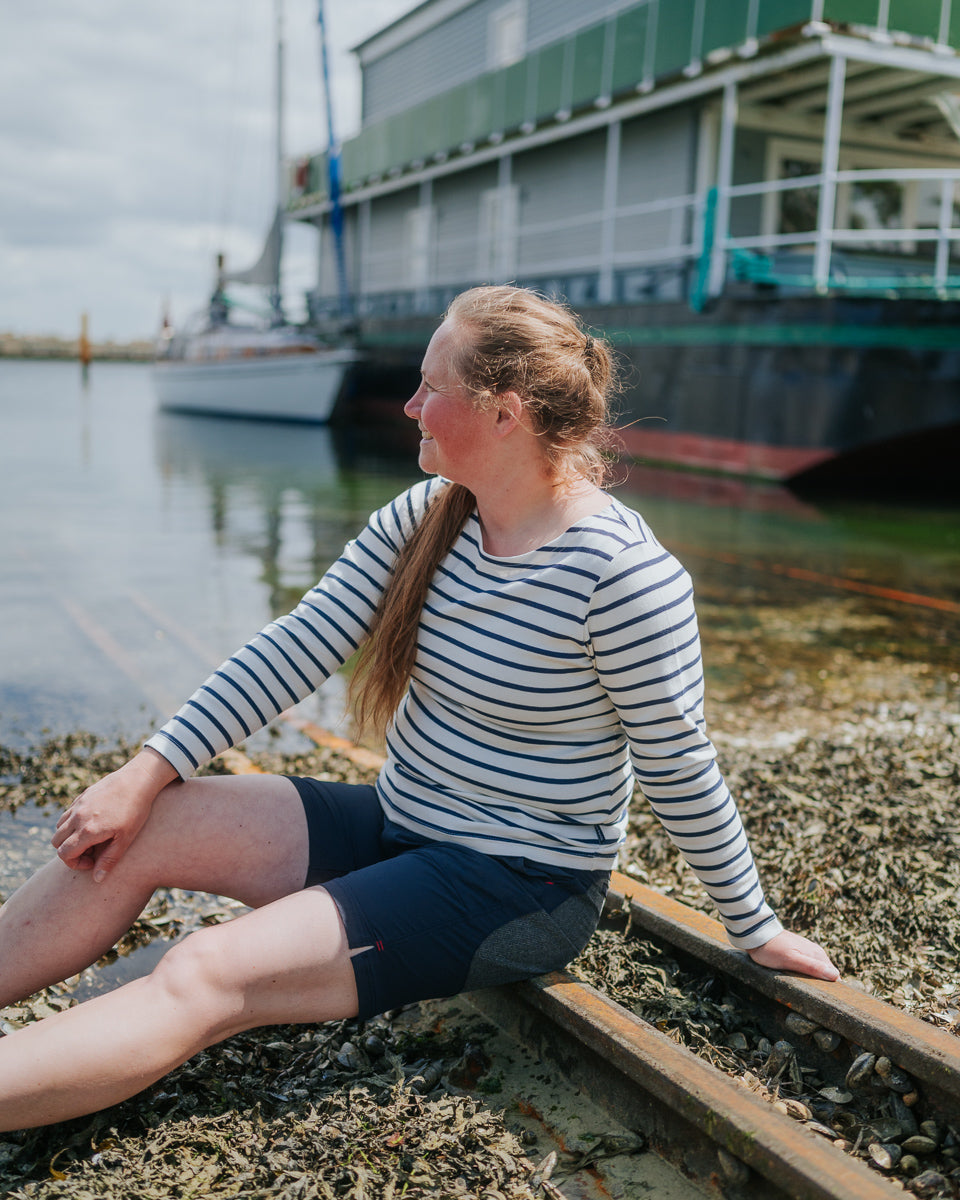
(837,581)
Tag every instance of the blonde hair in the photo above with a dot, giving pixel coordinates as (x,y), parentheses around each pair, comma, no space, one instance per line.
(512,340)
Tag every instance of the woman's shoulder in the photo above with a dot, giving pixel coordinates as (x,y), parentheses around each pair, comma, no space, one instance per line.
(618,531)
(404,512)
(634,556)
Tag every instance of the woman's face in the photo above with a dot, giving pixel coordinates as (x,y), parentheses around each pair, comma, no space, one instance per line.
(452,427)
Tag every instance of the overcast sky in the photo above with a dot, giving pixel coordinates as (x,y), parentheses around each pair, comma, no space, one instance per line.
(137,139)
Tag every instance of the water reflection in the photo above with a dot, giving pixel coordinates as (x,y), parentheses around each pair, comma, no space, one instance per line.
(302,480)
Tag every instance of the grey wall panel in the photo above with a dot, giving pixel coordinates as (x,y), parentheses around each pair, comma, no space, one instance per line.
(564,179)
(457,200)
(384,265)
(656,162)
(450,53)
(560,182)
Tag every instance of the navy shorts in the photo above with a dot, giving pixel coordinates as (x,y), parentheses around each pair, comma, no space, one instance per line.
(439,918)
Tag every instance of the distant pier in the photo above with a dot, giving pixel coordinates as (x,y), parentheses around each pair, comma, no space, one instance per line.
(14,345)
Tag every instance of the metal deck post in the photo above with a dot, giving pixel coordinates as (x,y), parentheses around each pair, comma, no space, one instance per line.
(611,176)
(942,267)
(728,125)
(828,173)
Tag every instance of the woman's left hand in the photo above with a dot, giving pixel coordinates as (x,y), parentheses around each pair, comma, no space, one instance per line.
(792,952)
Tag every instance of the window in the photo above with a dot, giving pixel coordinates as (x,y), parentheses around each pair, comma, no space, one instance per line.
(508,34)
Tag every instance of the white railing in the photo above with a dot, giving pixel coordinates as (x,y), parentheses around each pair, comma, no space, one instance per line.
(942,234)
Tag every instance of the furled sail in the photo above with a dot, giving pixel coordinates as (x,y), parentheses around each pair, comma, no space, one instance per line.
(265,272)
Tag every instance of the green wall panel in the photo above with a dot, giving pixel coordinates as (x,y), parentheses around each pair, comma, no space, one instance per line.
(485,112)
(352,160)
(588,65)
(317,174)
(550,80)
(851,12)
(514,87)
(430,122)
(918,17)
(629,49)
(674,32)
(781,14)
(457,101)
(724,24)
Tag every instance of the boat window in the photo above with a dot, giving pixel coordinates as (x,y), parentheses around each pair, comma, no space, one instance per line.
(798,206)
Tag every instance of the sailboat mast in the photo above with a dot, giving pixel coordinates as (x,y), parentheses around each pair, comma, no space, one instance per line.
(276,302)
(333,174)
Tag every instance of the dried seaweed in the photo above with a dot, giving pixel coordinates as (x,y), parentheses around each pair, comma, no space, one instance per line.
(341,1110)
(856,836)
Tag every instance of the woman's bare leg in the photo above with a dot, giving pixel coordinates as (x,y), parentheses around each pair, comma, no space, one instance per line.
(286,962)
(243,837)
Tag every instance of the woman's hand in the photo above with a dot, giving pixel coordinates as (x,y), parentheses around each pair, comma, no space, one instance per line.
(99,826)
(792,952)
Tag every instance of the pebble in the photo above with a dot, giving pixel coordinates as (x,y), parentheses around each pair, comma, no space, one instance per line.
(374,1046)
(918,1144)
(930,1183)
(800,1025)
(911,1098)
(737,1041)
(932,1130)
(860,1070)
(895,1079)
(909,1165)
(348,1057)
(886,1129)
(827,1040)
(780,1055)
(797,1110)
(885,1154)
(900,1112)
(426,1080)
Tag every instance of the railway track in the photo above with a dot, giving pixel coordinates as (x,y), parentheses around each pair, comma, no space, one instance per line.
(706,1123)
(721,1135)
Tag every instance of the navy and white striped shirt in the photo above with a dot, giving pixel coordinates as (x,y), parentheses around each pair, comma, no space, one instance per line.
(544,684)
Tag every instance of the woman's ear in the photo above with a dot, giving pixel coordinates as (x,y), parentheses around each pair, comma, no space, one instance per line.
(510,412)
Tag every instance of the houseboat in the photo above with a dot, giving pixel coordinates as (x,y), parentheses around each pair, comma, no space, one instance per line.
(755,200)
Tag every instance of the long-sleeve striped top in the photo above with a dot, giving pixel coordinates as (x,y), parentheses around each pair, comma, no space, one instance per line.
(544,685)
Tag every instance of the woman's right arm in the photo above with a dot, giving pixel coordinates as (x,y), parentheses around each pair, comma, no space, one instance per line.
(96,830)
(279,666)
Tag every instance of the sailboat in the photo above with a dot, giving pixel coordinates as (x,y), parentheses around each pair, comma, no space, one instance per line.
(272,370)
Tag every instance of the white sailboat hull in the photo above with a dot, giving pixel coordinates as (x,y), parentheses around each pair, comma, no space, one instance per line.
(280,387)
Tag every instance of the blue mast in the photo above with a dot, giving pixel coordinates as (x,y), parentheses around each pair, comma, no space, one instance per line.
(333,175)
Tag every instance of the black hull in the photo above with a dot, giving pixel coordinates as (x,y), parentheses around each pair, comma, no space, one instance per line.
(800,389)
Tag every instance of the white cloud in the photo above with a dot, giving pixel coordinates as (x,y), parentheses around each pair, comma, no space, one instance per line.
(138,139)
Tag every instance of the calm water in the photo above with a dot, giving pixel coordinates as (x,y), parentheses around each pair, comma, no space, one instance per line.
(141,548)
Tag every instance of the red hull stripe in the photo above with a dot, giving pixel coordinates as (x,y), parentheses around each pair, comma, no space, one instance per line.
(643,440)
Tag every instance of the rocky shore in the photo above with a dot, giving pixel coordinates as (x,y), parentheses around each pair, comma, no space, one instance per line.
(851,804)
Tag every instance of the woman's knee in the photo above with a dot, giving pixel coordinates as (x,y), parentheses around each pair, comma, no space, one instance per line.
(200,976)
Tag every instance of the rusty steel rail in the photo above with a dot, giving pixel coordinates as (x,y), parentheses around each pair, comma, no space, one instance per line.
(716,1132)
(931,1056)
